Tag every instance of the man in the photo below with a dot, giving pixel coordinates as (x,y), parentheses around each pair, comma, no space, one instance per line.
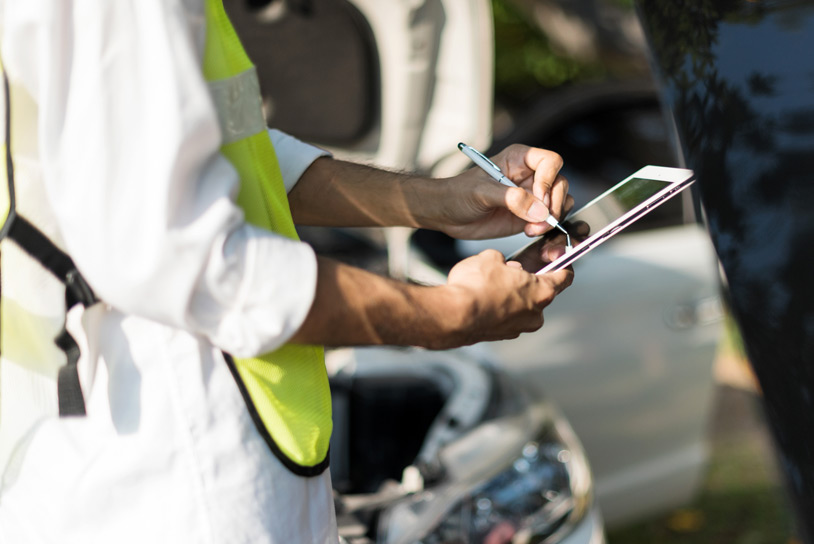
(201,409)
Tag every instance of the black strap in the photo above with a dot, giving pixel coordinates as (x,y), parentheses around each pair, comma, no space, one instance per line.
(69,390)
(56,261)
(77,291)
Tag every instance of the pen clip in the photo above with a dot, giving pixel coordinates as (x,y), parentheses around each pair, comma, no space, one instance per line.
(484,157)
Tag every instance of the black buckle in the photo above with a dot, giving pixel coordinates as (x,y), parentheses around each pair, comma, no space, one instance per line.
(79,288)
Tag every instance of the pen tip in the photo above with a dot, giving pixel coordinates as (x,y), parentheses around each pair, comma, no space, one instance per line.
(461,145)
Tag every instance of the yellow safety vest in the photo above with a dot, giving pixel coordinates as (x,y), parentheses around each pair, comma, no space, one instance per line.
(287,390)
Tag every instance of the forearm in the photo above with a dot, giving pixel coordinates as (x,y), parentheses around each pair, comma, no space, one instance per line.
(469,205)
(484,299)
(356,307)
(338,193)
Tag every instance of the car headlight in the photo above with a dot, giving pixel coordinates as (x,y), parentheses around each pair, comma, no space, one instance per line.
(518,479)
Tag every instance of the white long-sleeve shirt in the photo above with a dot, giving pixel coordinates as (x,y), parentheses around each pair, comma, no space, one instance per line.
(128,148)
(118,162)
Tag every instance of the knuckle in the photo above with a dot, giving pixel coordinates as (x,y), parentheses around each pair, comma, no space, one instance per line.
(545,296)
(517,148)
(491,254)
(535,323)
(555,159)
(563,182)
(510,152)
(515,196)
(559,280)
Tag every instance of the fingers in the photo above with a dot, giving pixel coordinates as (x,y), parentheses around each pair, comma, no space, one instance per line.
(546,166)
(544,287)
(501,300)
(559,193)
(552,252)
(558,280)
(548,286)
(524,205)
(569,204)
(492,255)
(537,170)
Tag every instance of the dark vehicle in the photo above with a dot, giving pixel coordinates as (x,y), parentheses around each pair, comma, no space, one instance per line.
(739,79)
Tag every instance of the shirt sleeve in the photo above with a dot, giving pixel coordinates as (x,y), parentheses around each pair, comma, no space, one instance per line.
(144,201)
(294,156)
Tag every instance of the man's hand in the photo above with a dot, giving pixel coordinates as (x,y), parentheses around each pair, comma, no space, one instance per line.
(470,205)
(484,299)
(475,206)
(499,299)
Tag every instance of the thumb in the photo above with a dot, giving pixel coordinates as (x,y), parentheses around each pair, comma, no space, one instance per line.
(525,205)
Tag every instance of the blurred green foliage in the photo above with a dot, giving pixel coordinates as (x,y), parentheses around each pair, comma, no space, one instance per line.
(525,60)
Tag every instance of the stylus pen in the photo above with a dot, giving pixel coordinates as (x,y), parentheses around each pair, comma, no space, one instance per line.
(494,171)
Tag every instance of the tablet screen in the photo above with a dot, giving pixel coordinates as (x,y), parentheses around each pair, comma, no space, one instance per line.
(596,216)
(610,206)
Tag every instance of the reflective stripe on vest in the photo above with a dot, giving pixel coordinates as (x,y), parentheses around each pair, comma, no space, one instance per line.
(286,391)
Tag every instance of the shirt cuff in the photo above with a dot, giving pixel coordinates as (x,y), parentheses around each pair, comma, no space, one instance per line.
(294,156)
(256,293)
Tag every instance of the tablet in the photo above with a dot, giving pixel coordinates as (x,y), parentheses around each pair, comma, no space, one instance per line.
(603,217)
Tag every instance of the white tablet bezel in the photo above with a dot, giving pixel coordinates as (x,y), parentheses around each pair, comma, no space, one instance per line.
(675,179)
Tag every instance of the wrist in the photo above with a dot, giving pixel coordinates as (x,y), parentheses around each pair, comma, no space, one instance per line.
(425,201)
(453,311)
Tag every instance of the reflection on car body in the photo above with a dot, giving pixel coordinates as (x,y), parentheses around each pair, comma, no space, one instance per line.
(740,86)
